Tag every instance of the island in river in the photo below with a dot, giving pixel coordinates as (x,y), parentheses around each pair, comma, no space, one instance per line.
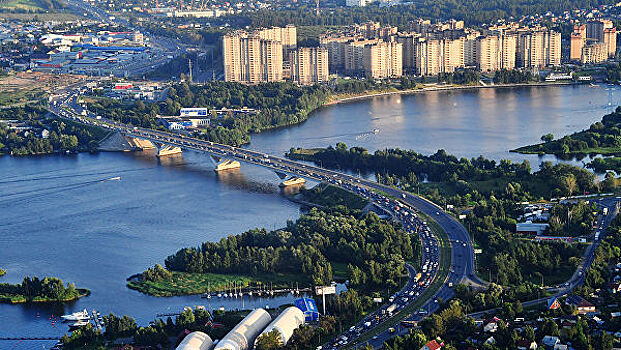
(48,289)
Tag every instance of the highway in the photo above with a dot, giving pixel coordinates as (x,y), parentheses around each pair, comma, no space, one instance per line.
(402,205)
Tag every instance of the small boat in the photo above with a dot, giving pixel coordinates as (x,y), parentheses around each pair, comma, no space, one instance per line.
(78,324)
(116,178)
(219,295)
(76,316)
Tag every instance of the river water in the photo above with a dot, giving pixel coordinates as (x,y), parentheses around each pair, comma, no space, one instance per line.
(62,216)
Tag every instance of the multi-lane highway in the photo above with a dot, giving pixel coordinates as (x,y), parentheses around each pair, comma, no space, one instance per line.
(403,206)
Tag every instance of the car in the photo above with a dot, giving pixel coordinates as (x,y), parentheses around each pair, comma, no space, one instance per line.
(374,337)
(437,213)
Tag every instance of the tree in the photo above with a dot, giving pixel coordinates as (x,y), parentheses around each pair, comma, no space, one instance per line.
(570,183)
(547,137)
(269,341)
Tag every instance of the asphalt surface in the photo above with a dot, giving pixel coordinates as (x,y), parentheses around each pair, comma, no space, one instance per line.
(403,206)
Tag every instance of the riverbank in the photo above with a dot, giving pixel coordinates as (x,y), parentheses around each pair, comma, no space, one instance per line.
(601,138)
(187,283)
(355,97)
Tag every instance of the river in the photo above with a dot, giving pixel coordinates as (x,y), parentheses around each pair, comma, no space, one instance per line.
(62,216)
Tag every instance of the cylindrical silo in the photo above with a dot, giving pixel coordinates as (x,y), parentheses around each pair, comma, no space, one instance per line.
(244,334)
(288,320)
(196,341)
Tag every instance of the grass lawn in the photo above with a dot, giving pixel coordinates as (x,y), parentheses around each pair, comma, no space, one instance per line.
(12,97)
(185,283)
(25,5)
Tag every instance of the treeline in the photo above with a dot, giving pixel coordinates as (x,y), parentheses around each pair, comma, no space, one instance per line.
(375,250)
(490,191)
(603,137)
(405,168)
(63,135)
(473,12)
(514,76)
(572,219)
(156,335)
(462,77)
(278,105)
(496,296)
(35,289)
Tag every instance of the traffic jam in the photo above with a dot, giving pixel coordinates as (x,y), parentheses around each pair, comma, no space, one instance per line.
(418,282)
(411,222)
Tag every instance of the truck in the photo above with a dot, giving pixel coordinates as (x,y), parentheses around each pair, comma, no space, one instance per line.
(391,309)
(418,276)
(605,211)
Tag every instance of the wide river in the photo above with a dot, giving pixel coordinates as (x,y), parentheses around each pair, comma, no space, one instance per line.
(63,216)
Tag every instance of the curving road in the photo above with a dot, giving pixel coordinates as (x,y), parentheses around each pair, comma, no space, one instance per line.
(404,209)
(577,279)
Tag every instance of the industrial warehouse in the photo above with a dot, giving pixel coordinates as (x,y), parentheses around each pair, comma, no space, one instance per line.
(244,335)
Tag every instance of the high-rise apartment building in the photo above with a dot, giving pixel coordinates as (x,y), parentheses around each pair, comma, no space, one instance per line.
(408,42)
(383,60)
(610,39)
(309,65)
(538,48)
(286,35)
(508,46)
(435,56)
(586,37)
(250,59)
(577,42)
(453,54)
(489,53)
(594,53)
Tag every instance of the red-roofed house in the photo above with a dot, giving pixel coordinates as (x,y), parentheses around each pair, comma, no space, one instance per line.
(432,345)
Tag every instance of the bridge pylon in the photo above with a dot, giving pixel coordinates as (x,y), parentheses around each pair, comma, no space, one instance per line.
(227,164)
(293,181)
(164,150)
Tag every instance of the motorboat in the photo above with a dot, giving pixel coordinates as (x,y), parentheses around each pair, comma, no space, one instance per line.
(78,324)
(76,316)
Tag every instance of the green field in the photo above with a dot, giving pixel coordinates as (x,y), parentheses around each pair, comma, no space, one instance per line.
(185,283)
(15,97)
(23,5)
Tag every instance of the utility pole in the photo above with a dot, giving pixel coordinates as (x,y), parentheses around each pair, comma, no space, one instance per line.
(190,68)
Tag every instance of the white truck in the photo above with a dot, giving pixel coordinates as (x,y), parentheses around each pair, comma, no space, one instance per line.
(605,211)
(391,309)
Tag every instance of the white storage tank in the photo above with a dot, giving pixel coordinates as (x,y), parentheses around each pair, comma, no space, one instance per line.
(289,320)
(243,335)
(196,341)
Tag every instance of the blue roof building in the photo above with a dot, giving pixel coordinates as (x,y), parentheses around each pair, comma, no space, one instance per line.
(309,308)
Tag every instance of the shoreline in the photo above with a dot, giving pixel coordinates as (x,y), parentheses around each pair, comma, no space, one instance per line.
(442,88)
